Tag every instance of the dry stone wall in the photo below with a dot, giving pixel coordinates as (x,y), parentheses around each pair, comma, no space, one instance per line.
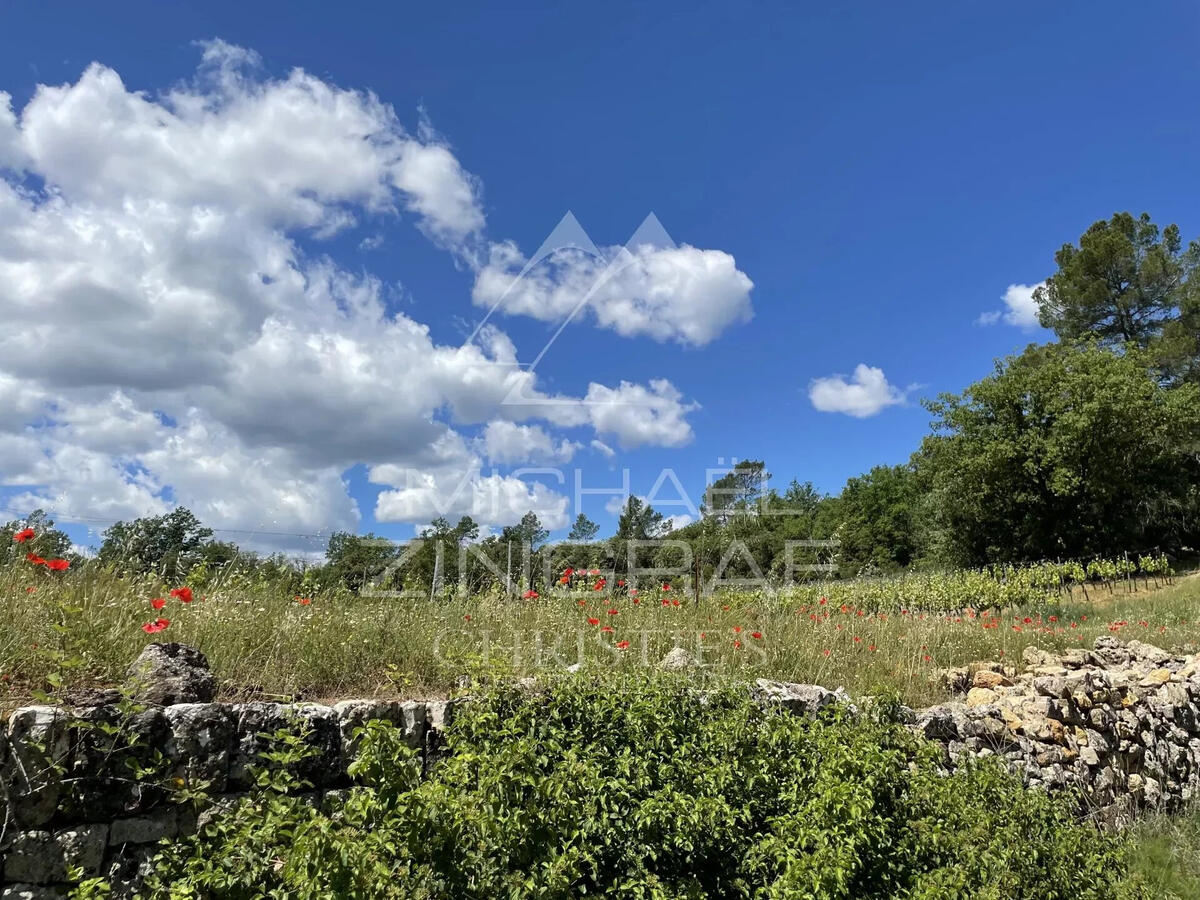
(1119,722)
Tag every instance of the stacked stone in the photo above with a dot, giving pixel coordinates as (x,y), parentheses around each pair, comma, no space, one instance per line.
(92,818)
(1118,723)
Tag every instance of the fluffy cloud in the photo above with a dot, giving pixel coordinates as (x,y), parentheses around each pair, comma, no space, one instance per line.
(865,394)
(507,442)
(172,334)
(451,483)
(638,415)
(1020,309)
(680,294)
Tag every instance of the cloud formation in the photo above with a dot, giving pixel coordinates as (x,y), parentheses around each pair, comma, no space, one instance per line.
(681,294)
(1020,309)
(865,394)
(174,334)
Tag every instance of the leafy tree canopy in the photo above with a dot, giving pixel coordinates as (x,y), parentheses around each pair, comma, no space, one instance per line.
(528,531)
(356,560)
(1066,450)
(583,530)
(1123,283)
(168,545)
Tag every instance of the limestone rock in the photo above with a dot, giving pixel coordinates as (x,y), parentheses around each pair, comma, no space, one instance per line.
(1148,653)
(144,829)
(678,660)
(43,856)
(165,674)
(318,725)
(39,744)
(985,678)
(981,696)
(806,699)
(954,680)
(1155,678)
(200,745)
(1033,657)
(1051,686)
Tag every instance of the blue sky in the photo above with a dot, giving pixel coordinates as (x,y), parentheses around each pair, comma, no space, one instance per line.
(882,174)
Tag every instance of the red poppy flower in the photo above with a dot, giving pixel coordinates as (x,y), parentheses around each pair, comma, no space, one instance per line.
(613,612)
(607,629)
(58,565)
(622,645)
(156,626)
(305,601)
(567,573)
(35,559)
(158,603)
(666,587)
(563,580)
(22,536)
(184,594)
(620,582)
(666,602)
(530,594)
(737,629)
(593,621)
(674,602)
(30,590)
(593,571)
(737,645)
(467,617)
(824,600)
(757,635)
(826,652)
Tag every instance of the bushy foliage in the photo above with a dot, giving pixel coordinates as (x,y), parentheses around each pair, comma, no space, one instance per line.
(1037,460)
(650,790)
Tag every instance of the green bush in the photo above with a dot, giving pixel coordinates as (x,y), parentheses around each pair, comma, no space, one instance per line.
(649,789)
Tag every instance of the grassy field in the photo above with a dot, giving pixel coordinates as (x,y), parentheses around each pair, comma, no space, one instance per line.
(75,629)
(84,628)
(1167,854)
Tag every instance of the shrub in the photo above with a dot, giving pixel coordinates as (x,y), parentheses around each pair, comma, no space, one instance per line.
(649,789)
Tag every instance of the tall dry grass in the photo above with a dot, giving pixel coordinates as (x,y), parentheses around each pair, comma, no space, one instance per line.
(85,627)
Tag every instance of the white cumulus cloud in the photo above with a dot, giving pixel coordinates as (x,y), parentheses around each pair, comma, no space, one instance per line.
(1020,309)
(170,334)
(508,442)
(680,294)
(863,395)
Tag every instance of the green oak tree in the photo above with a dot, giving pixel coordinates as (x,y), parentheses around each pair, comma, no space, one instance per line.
(167,545)
(1066,450)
